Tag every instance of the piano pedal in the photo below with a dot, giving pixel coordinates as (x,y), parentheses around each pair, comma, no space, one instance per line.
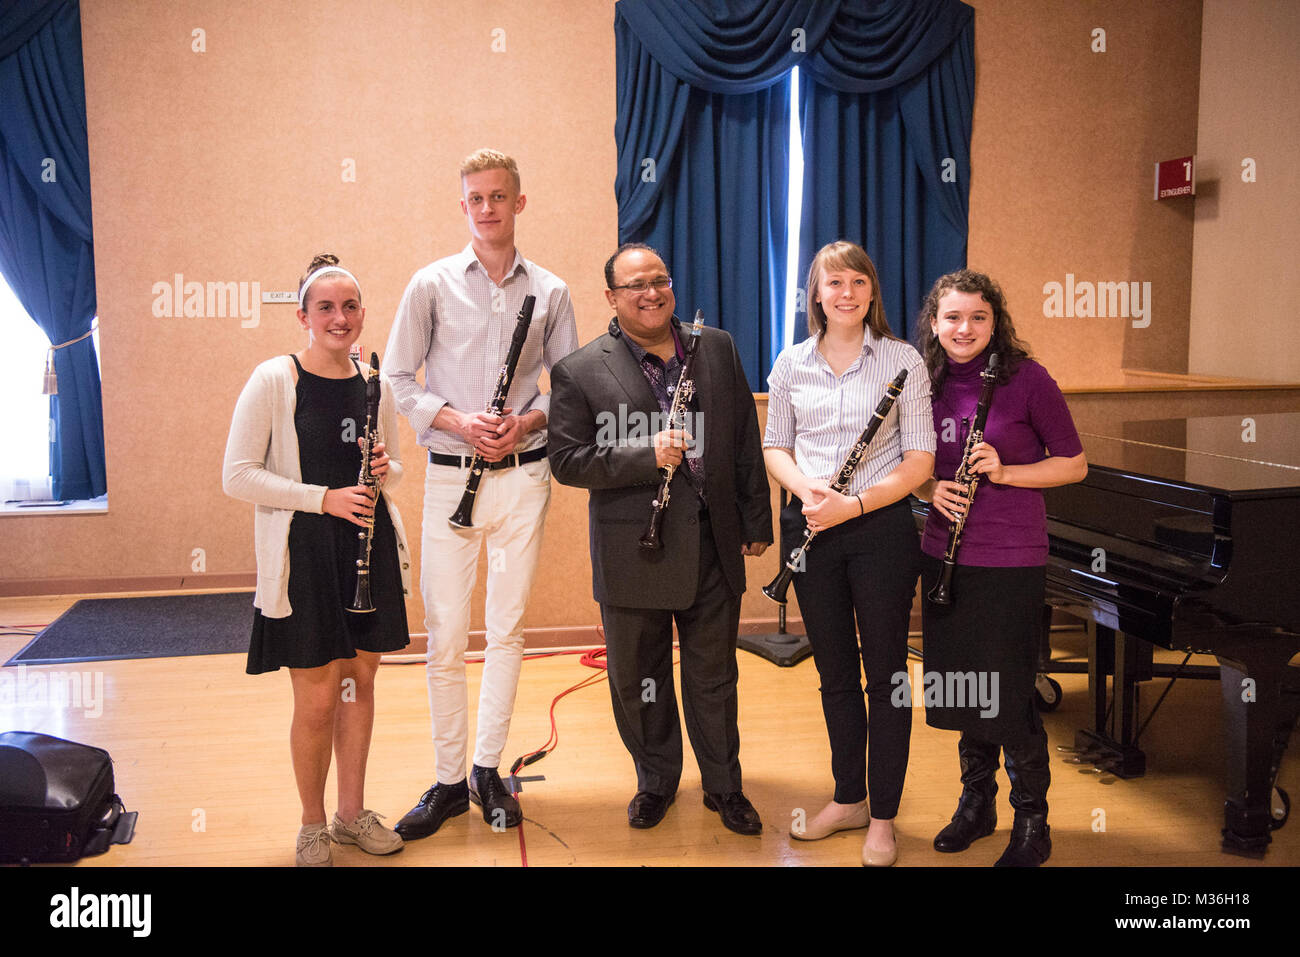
(1089,756)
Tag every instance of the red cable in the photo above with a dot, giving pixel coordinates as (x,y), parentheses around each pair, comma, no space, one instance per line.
(523,848)
(592,658)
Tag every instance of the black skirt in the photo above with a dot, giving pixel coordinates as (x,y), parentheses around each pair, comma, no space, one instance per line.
(322,582)
(323,549)
(981,652)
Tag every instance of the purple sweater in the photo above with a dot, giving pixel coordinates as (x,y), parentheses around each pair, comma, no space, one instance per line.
(1007,526)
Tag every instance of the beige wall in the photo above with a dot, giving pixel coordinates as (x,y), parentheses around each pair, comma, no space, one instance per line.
(1064,144)
(227,166)
(1244,237)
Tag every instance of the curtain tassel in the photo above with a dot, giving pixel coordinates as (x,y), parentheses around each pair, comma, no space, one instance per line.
(51,386)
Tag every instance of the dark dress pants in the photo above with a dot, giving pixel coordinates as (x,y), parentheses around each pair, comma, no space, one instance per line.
(860,577)
(639,654)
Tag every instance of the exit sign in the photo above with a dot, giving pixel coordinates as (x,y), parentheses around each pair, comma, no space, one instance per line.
(1176,177)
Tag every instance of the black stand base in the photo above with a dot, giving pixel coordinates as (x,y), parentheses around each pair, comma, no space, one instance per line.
(780,648)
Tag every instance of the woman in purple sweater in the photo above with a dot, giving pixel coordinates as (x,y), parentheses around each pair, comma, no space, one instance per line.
(981,650)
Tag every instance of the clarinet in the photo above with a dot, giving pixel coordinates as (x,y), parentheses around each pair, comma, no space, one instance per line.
(463,517)
(361,603)
(941,593)
(676,419)
(776,589)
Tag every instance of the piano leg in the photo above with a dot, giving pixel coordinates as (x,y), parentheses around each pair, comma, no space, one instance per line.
(1259,711)
(1111,652)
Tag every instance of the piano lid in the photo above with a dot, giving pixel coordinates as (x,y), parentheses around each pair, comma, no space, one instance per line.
(1232,453)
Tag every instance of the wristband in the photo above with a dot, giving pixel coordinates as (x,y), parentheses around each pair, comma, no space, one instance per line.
(862,509)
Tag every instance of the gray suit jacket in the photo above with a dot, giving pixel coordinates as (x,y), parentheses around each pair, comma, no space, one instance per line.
(598,393)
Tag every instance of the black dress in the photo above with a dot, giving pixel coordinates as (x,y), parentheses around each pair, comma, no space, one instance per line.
(329,417)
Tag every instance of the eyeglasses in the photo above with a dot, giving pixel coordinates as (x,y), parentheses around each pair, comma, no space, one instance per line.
(637,288)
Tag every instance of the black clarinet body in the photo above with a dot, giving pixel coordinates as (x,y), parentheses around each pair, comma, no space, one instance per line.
(682,396)
(779,586)
(941,593)
(463,517)
(361,603)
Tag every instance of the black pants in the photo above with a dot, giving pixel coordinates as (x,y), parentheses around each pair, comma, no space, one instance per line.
(863,569)
(639,653)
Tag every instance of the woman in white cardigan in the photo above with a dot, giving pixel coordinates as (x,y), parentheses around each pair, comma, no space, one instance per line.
(294,453)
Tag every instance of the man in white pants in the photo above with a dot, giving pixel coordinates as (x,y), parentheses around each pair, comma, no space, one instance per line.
(455,321)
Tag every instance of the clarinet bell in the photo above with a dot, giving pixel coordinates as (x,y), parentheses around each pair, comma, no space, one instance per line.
(650,538)
(361,603)
(941,593)
(779,586)
(463,517)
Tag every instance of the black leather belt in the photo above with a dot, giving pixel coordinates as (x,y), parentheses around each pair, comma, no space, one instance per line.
(509,462)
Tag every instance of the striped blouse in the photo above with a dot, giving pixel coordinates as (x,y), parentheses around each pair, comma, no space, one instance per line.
(821,416)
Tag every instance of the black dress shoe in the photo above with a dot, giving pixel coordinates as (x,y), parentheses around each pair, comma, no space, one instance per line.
(737,813)
(436,805)
(488,791)
(646,809)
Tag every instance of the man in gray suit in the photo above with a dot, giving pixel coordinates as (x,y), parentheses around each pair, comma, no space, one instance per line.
(609,434)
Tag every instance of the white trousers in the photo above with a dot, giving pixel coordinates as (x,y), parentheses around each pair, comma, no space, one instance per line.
(509,513)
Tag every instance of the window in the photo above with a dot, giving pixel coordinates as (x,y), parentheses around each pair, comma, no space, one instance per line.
(794,193)
(24,410)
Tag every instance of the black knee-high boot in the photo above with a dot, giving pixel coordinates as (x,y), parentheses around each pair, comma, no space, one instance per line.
(976,814)
(1031,838)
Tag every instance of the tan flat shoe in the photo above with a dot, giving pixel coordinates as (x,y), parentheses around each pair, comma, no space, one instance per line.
(833,817)
(871,857)
(874,858)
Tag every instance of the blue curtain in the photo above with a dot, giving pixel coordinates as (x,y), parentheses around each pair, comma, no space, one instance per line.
(892,92)
(46,248)
(702,132)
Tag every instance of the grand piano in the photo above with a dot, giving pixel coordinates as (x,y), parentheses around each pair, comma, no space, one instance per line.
(1186,534)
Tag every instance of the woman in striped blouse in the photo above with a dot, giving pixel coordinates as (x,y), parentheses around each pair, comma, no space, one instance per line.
(866,559)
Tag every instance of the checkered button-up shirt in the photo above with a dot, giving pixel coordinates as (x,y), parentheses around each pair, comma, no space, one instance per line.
(455,323)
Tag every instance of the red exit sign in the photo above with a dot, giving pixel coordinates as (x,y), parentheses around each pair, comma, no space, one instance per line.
(1176,177)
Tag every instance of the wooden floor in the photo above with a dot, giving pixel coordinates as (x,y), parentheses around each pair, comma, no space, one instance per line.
(201,751)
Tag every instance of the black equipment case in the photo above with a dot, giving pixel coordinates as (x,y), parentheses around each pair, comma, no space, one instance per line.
(56,800)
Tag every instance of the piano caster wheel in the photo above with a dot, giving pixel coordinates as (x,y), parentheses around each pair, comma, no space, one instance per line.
(1047,693)
(1280,808)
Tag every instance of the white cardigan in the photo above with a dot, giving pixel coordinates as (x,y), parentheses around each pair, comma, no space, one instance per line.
(261,466)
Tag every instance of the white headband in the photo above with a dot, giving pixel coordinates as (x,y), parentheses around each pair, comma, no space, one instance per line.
(302,293)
